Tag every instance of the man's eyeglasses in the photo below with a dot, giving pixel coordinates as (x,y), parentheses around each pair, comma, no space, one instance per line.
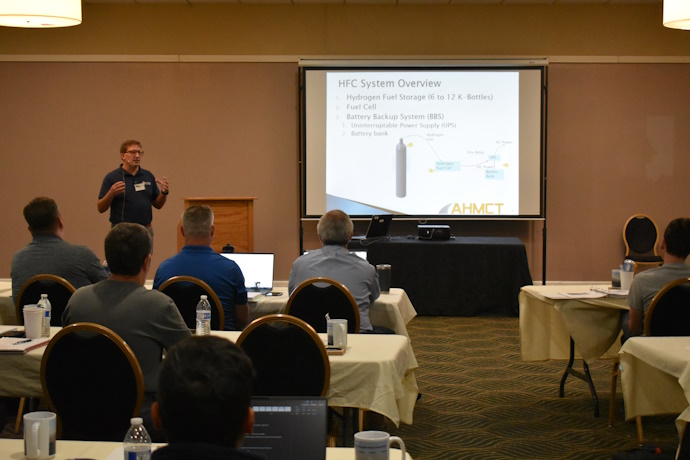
(136,152)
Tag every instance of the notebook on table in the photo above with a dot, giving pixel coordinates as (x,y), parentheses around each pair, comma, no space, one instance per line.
(257,269)
(289,428)
(378,227)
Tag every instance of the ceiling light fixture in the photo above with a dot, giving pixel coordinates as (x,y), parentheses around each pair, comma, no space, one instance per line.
(677,14)
(40,13)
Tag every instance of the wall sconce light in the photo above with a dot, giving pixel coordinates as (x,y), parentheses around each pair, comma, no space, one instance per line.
(40,13)
(677,14)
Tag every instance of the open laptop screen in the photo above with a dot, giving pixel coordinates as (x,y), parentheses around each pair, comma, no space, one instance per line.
(257,269)
(289,428)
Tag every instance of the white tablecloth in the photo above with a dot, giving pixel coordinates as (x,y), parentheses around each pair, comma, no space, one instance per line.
(546,325)
(66,450)
(655,375)
(376,373)
(392,310)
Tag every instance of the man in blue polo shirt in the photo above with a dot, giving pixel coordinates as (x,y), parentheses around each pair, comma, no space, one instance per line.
(198,259)
(130,191)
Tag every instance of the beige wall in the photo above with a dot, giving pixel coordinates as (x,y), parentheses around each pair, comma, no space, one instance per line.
(616,132)
(365,30)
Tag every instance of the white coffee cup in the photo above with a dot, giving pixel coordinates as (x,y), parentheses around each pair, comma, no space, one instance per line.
(39,435)
(375,445)
(626,280)
(337,333)
(33,320)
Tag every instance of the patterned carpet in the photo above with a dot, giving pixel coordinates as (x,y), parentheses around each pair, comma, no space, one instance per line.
(480,401)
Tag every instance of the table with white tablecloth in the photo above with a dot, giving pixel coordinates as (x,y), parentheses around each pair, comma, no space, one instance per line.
(561,322)
(70,450)
(655,376)
(547,324)
(376,373)
(392,309)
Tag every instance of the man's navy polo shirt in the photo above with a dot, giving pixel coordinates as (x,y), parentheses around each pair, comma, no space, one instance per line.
(223,275)
(137,204)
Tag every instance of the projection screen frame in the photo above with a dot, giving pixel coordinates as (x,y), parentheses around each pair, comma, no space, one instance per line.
(370,65)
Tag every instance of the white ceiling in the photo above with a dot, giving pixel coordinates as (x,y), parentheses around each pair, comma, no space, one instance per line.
(387,2)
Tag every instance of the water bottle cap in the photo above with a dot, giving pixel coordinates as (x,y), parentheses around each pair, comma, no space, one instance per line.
(137,421)
(204,297)
(44,296)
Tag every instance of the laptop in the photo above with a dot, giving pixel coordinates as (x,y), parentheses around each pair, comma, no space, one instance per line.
(378,227)
(257,269)
(289,428)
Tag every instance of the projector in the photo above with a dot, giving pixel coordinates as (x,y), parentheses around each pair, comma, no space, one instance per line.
(433,232)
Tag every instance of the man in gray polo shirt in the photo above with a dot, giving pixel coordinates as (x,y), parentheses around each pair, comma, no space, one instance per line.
(334,261)
(48,253)
(675,248)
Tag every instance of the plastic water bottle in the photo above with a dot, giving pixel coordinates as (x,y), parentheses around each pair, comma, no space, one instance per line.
(137,444)
(45,323)
(203,316)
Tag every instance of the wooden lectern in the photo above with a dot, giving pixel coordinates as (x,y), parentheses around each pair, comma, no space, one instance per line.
(234,220)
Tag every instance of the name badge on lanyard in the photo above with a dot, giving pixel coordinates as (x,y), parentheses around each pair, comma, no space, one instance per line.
(140,187)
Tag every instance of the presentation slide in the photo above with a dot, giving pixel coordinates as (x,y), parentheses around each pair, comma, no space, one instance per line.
(424,143)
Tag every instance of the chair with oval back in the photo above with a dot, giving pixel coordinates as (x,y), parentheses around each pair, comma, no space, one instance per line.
(315,297)
(668,315)
(641,237)
(92,380)
(59,291)
(185,291)
(289,357)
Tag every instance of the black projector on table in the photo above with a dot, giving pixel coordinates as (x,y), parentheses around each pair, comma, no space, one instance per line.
(433,232)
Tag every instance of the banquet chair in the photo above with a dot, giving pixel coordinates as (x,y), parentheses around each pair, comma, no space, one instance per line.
(92,380)
(315,297)
(641,237)
(289,357)
(59,291)
(668,315)
(186,291)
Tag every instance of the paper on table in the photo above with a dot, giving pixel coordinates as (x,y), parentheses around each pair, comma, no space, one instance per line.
(574,295)
(19,345)
(611,292)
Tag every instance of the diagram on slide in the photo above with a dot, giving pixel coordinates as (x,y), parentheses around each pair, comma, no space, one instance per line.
(448,144)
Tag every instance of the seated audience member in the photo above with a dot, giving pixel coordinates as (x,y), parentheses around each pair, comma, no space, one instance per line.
(48,253)
(203,406)
(335,261)
(198,259)
(147,320)
(675,248)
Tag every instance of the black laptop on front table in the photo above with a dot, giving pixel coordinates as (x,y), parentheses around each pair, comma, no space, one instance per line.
(289,428)
(378,227)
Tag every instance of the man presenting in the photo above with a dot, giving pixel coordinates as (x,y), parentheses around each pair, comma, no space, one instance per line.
(148,321)
(675,248)
(130,191)
(198,259)
(48,253)
(334,261)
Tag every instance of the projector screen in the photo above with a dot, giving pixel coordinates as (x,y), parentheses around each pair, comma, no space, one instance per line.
(423,140)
